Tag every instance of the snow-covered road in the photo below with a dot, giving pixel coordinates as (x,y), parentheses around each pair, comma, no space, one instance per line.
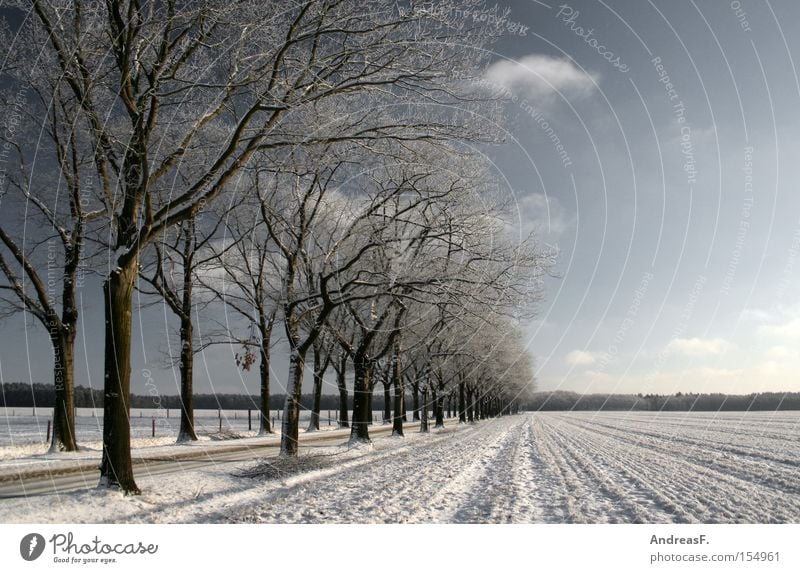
(540,468)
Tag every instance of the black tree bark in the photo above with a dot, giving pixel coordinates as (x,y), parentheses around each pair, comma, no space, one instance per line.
(290,423)
(362,414)
(423,423)
(415,398)
(396,377)
(116,469)
(440,405)
(462,406)
(387,401)
(187,432)
(341,382)
(266,322)
(320,366)
(63,436)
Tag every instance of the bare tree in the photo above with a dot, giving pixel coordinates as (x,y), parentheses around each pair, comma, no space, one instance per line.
(245,277)
(340,360)
(47,199)
(172,273)
(178,97)
(323,354)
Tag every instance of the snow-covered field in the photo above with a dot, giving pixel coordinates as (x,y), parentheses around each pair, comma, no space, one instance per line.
(540,468)
(23,431)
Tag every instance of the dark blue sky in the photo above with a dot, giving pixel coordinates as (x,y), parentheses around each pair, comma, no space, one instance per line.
(677,215)
(655,143)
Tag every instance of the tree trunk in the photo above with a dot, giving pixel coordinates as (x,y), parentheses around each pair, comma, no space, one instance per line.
(387,401)
(265,426)
(440,406)
(434,402)
(396,377)
(470,406)
(423,424)
(116,469)
(313,425)
(462,406)
(415,397)
(63,436)
(186,432)
(370,394)
(265,324)
(290,424)
(362,412)
(341,381)
(63,340)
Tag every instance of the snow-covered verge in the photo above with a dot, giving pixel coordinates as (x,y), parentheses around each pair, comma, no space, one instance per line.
(36,459)
(550,468)
(23,437)
(23,431)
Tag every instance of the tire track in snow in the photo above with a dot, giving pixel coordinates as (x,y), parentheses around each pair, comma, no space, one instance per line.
(415,483)
(226,501)
(502,493)
(545,491)
(573,492)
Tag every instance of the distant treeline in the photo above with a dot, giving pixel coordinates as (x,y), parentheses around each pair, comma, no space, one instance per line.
(679,402)
(22,395)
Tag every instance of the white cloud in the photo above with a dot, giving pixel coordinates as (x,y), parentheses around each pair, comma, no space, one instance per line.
(538,76)
(701,379)
(780,352)
(755,315)
(778,327)
(708,373)
(543,214)
(788,330)
(581,358)
(697,346)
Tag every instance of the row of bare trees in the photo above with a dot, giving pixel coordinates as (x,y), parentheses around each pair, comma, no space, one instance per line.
(313,165)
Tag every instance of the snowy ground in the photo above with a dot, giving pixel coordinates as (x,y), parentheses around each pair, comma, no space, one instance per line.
(23,431)
(540,468)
